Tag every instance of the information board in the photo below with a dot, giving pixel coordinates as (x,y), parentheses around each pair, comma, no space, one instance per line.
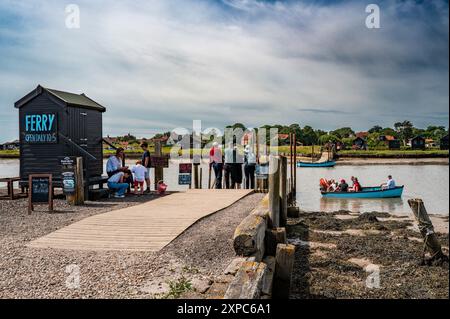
(159,161)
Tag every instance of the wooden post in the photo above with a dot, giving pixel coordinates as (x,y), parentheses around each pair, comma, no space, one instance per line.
(283,191)
(426,229)
(79,182)
(196,176)
(295,168)
(273,238)
(283,271)
(201,178)
(209,176)
(274,191)
(159,171)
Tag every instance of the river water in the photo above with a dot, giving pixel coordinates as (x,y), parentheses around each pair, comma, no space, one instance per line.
(429,182)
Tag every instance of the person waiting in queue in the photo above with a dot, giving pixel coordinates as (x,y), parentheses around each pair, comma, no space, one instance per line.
(117,182)
(249,167)
(114,166)
(146,163)
(216,162)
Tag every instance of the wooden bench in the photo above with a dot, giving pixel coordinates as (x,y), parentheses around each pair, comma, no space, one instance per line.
(10,185)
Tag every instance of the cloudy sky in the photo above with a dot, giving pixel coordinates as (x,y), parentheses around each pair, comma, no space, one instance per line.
(160,64)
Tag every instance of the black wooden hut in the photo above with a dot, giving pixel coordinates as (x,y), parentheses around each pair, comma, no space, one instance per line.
(418,143)
(444,143)
(54,124)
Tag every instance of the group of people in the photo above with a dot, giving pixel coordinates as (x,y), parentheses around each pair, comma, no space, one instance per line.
(121,178)
(227,165)
(342,186)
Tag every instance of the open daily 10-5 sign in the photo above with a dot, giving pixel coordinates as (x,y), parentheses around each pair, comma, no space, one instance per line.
(40,128)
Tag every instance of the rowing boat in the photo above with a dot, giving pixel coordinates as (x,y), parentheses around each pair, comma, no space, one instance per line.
(368,192)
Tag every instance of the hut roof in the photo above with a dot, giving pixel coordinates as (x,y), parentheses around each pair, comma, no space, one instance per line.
(70,99)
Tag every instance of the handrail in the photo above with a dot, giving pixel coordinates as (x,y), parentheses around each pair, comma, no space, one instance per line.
(82,150)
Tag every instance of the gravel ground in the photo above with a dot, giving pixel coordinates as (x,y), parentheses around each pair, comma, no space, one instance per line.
(186,267)
(339,255)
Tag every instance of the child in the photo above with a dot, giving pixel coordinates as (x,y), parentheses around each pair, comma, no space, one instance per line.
(139,177)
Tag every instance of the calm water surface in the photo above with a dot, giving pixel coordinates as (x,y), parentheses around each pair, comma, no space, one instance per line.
(429,182)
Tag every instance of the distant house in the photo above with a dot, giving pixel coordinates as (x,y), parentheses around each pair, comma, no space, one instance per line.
(10,146)
(391,142)
(283,139)
(359,143)
(430,143)
(444,143)
(418,143)
(363,135)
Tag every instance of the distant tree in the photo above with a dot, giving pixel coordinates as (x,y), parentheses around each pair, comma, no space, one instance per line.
(328,138)
(376,129)
(308,136)
(343,132)
(405,130)
(237,125)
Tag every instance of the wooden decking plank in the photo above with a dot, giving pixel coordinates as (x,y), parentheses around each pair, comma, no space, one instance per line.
(145,227)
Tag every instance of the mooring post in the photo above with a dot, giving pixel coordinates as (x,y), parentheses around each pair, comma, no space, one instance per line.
(159,171)
(274,191)
(426,228)
(283,191)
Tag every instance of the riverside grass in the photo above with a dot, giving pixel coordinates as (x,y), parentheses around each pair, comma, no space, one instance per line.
(301,150)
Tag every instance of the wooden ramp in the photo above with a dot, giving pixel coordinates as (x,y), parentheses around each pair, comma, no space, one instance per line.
(144,227)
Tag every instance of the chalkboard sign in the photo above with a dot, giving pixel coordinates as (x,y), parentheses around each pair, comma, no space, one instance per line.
(159,161)
(184,179)
(185,168)
(40,190)
(68,165)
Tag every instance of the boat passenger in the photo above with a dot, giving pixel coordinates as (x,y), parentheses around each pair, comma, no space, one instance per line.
(332,187)
(356,187)
(390,184)
(343,186)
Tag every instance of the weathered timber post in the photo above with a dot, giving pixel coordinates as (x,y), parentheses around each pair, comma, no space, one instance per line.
(295,168)
(273,238)
(283,191)
(78,197)
(274,191)
(426,229)
(201,178)
(283,271)
(248,282)
(159,171)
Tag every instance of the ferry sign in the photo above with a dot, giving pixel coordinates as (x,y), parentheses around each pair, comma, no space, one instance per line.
(40,128)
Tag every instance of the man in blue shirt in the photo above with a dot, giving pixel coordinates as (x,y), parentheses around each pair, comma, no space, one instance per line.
(114,166)
(390,184)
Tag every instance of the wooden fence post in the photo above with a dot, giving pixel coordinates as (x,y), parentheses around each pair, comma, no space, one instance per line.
(274,191)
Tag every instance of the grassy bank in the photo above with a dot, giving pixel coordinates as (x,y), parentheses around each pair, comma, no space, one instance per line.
(301,150)
(395,153)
